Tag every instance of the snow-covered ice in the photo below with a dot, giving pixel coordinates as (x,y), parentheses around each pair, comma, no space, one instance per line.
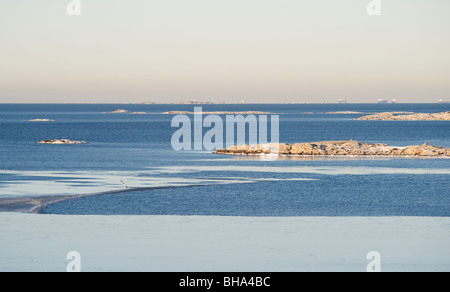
(36,242)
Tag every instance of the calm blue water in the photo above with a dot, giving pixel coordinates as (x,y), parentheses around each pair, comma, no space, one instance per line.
(134,143)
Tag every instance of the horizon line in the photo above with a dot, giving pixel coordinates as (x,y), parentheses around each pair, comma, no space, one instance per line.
(218,103)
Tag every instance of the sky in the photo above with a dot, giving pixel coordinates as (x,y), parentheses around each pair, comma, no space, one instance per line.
(260,51)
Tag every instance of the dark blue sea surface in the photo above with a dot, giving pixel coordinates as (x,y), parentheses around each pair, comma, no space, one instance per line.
(134,143)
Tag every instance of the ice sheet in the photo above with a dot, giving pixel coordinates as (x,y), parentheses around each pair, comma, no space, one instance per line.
(32,242)
(48,183)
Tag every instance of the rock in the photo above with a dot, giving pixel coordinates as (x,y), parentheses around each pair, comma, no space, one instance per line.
(341,148)
(61,141)
(41,120)
(407,116)
(218,113)
(344,113)
(121,111)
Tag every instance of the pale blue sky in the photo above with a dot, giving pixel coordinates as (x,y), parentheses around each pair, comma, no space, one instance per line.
(224,50)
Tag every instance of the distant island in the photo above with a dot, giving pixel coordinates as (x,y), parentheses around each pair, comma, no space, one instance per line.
(122,111)
(344,113)
(218,113)
(61,141)
(194,101)
(41,120)
(337,148)
(407,116)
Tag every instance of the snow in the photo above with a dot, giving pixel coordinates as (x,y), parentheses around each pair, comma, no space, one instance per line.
(36,242)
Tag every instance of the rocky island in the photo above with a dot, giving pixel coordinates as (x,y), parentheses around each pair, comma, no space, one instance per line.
(41,120)
(337,148)
(123,111)
(61,141)
(407,116)
(344,113)
(218,113)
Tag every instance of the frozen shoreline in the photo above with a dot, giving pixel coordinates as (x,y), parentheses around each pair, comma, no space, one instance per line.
(36,242)
(40,242)
(37,204)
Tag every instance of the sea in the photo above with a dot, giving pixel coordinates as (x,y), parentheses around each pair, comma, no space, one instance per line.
(130,165)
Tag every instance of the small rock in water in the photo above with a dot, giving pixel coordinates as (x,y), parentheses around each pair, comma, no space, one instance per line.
(41,120)
(61,141)
(121,111)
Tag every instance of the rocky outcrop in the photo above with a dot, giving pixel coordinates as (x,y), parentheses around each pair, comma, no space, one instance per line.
(407,116)
(344,113)
(218,113)
(335,148)
(61,141)
(41,120)
(121,111)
